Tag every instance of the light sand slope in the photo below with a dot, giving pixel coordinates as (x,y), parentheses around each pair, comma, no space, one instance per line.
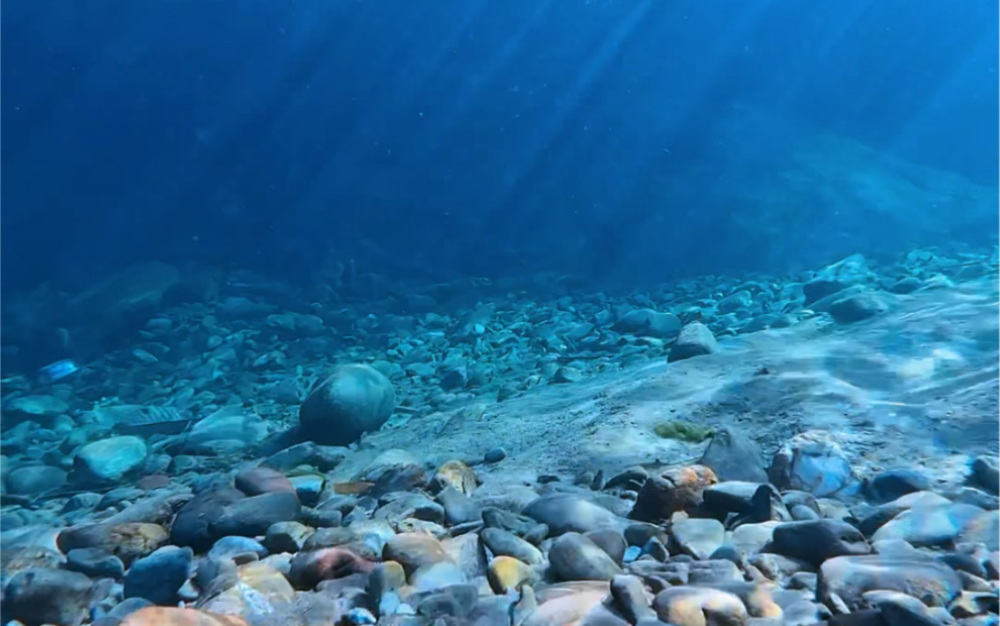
(915,386)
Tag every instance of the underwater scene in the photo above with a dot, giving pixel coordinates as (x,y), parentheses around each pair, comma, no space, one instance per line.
(500,313)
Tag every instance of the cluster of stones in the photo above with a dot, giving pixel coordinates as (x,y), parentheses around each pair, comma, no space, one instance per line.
(201,362)
(277,542)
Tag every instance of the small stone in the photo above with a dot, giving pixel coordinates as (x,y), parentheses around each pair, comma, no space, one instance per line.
(695,339)
(171,616)
(574,557)
(323,458)
(34,480)
(454,378)
(812,462)
(457,475)
(437,576)
(252,516)
(503,543)
(631,598)
(286,537)
(458,507)
(506,574)
(566,375)
(848,577)
(160,575)
(857,307)
(673,490)
(193,525)
(611,541)
(308,487)
(126,541)
(95,563)
(698,537)
(734,456)
(649,323)
(48,596)
(354,400)
(110,459)
(255,481)
(494,455)
(563,512)
(412,551)
(986,474)
(310,568)
(260,591)
(930,525)
(891,484)
(816,541)
(699,606)
(232,546)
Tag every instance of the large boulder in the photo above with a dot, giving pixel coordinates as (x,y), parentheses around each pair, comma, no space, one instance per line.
(354,400)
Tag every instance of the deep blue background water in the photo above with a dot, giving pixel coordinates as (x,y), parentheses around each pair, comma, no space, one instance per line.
(451,136)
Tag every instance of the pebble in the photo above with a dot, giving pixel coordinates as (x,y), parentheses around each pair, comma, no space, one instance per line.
(48,596)
(575,557)
(159,576)
(111,459)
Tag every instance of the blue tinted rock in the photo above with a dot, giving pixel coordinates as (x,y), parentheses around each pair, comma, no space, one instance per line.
(354,400)
(564,513)
(252,516)
(849,577)
(48,596)
(495,455)
(34,480)
(160,575)
(816,541)
(928,525)
(734,456)
(986,474)
(95,562)
(812,461)
(193,524)
(891,484)
(228,547)
(857,307)
(694,340)
(110,459)
(832,279)
(649,323)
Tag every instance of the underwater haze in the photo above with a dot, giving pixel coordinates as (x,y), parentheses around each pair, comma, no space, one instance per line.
(630,139)
(499,313)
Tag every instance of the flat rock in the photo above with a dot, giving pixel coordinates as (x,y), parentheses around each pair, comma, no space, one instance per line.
(564,513)
(48,596)
(112,458)
(849,577)
(575,557)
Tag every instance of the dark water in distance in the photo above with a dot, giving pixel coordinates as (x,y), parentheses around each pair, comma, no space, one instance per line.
(464,136)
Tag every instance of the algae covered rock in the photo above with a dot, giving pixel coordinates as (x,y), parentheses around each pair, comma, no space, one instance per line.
(354,400)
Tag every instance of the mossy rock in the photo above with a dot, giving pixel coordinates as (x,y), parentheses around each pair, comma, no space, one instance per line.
(683,431)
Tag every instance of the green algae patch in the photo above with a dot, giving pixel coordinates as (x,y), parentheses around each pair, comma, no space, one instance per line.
(683,431)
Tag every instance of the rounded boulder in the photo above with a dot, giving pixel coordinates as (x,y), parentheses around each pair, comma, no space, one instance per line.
(354,400)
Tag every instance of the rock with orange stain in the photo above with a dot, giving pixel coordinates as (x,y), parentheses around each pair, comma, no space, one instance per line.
(170,616)
(126,541)
(310,568)
(415,550)
(567,604)
(455,474)
(700,606)
(676,489)
(259,589)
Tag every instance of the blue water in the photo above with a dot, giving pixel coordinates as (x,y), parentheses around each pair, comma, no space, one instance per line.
(610,141)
